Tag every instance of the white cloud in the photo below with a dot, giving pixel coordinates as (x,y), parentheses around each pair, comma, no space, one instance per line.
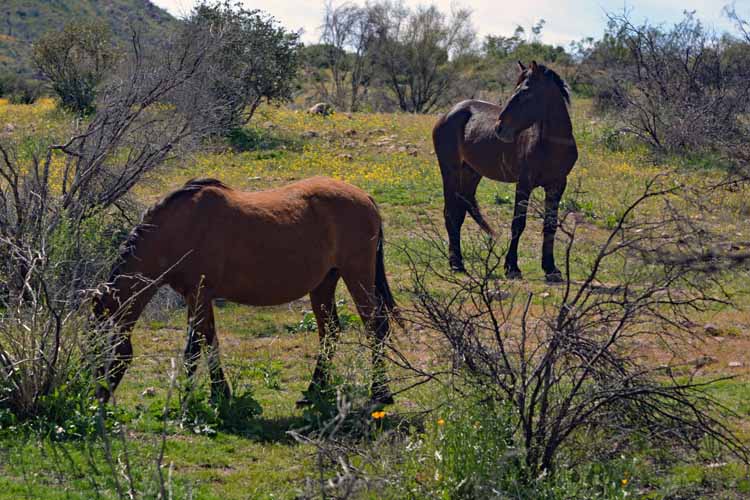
(566,20)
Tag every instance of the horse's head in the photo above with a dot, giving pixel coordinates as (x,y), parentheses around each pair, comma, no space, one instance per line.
(537,89)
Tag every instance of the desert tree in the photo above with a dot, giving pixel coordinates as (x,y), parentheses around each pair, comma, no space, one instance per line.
(419,52)
(347,68)
(679,88)
(75,60)
(255,59)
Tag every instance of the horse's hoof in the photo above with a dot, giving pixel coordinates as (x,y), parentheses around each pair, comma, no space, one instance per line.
(458,267)
(554,277)
(514,274)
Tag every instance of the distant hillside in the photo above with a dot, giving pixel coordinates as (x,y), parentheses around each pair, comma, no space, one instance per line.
(24,21)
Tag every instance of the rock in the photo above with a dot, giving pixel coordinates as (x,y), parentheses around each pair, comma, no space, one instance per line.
(499,294)
(712,330)
(735,364)
(310,134)
(350,133)
(321,109)
(149,392)
(345,156)
(9,128)
(269,125)
(703,361)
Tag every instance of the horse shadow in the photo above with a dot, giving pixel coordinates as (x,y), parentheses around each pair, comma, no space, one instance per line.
(282,428)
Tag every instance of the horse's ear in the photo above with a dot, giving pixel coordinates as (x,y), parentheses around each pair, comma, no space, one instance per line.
(521,66)
(534,67)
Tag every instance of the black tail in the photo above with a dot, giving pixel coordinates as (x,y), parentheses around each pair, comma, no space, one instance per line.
(382,289)
(473,208)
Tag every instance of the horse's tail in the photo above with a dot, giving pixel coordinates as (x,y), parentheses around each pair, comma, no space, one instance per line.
(473,208)
(382,289)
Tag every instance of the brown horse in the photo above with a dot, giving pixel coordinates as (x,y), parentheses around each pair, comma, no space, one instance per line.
(207,240)
(529,142)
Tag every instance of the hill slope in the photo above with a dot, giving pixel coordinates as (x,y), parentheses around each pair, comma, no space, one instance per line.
(24,21)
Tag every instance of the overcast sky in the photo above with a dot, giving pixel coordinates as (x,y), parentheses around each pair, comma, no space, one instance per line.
(567,20)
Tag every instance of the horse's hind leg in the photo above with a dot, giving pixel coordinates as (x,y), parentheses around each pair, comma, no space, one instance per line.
(202,333)
(459,191)
(324,308)
(360,281)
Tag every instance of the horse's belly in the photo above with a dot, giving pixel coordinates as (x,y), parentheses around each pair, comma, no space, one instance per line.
(499,170)
(275,277)
(493,161)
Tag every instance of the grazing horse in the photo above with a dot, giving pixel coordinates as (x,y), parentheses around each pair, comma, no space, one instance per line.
(206,240)
(529,142)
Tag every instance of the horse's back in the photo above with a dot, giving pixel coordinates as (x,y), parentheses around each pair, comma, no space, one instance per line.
(270,247)
(465,135)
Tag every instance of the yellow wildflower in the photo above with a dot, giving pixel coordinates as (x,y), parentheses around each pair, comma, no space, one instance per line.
(624,482)
(377,415)
(441,422)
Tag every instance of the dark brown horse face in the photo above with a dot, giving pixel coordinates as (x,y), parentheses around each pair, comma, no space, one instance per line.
(525,107)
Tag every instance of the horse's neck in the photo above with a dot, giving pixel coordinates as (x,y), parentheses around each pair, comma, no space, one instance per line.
(557,127)
(131,292)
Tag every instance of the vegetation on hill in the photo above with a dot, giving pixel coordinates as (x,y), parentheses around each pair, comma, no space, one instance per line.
(24,21)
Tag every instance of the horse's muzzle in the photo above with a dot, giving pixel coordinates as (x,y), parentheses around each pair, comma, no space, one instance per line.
(505,133)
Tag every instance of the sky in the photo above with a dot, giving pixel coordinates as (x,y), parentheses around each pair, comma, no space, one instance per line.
(566,20)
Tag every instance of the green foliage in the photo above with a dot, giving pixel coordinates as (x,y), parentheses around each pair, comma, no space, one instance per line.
(577,204)
(519,47)
(19,90)
(347,319)
(342,408)
(503,199)
(471,449)
(199,415)
(306,324)
(75,60)
(26,21)
(256,59)
(258,139)
(475,451)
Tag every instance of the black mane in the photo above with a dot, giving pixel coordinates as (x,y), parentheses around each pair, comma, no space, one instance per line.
(557,79)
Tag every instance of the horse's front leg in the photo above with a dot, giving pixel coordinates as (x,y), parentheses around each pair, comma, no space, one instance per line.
(202,332)
(523,190)
(552,196)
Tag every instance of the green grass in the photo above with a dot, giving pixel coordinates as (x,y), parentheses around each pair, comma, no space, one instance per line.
(271,351)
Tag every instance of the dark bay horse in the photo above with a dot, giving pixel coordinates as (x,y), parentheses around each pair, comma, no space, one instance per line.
(529,142)
(206,240)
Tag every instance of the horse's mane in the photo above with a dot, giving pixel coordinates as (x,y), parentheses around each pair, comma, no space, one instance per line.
(190,187)
(127,249)
(557,79)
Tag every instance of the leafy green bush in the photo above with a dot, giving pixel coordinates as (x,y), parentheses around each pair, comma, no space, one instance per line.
(475,453)
(255,59)
(19,90)
(76,59)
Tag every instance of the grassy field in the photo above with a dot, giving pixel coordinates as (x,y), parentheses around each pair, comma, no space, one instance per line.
(269,353)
